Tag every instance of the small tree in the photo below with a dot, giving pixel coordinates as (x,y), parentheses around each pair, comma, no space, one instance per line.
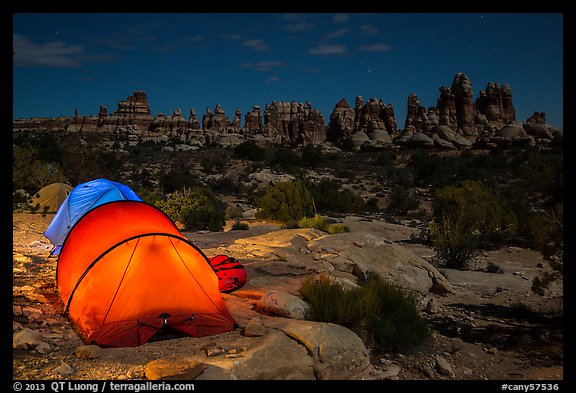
(195,208)
(466,219)
(286,201)
(473,207)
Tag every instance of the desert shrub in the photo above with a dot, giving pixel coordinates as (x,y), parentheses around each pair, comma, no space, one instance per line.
(195,208)
(329,195)
(286,159)
(456,246)
(286,201)
(372,205)
(312,156)
(467,219)
(214,161)
(494,268)
(176,179)
(429,168)
(250,151)
(382,314)
(402,200)
(338,228)
(474,207)
(317,222)
(30,173)
(322,223)
(239,226)
(225,185)
(547,231)
(148,195)
(542,173)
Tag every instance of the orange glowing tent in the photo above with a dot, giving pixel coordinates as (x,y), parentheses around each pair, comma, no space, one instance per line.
(126,273)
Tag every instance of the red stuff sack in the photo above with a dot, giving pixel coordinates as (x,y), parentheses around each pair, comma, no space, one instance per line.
(230,272)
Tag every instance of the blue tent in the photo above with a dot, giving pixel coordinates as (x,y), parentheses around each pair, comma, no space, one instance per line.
(83,198)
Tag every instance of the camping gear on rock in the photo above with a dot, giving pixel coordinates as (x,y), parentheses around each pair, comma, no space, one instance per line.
(125,274)
(231,273)
(80,200)
(50,198)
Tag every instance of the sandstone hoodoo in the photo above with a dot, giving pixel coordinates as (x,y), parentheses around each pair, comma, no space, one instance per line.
(342,122)
(253,121)
(293,123)
(463,93)
(456,121)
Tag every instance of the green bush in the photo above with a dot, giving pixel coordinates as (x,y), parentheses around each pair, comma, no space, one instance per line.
(195,208)
(547,232)
(329,195)
(286,159)
(317,222)
(239,226)
(456,246)
(402,200)
(177,179)
(322,223)
(383,315)
(312,156)
(250,151)
(286,201)
(30,173)
(338,228)
(474,207)
(542,173)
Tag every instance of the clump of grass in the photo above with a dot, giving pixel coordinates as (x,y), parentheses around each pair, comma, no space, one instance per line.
(317,222)
(321,223)
(338,228)
(383,315)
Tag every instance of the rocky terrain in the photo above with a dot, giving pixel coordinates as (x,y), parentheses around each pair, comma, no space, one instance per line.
(486,326)
(457,121)
(487,323)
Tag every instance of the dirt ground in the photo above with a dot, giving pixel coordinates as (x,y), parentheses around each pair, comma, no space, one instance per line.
(492,328)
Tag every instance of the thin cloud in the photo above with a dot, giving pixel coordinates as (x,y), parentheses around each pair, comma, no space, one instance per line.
(263,66)
(256,44)
(56,54)
(273,79)
(376,48)
(182,43)
(336,34)
(340,18)
(297,23)
(369,29)
(326,50)
(196,38)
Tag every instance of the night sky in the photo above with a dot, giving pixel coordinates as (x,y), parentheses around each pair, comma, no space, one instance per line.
(68,61)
